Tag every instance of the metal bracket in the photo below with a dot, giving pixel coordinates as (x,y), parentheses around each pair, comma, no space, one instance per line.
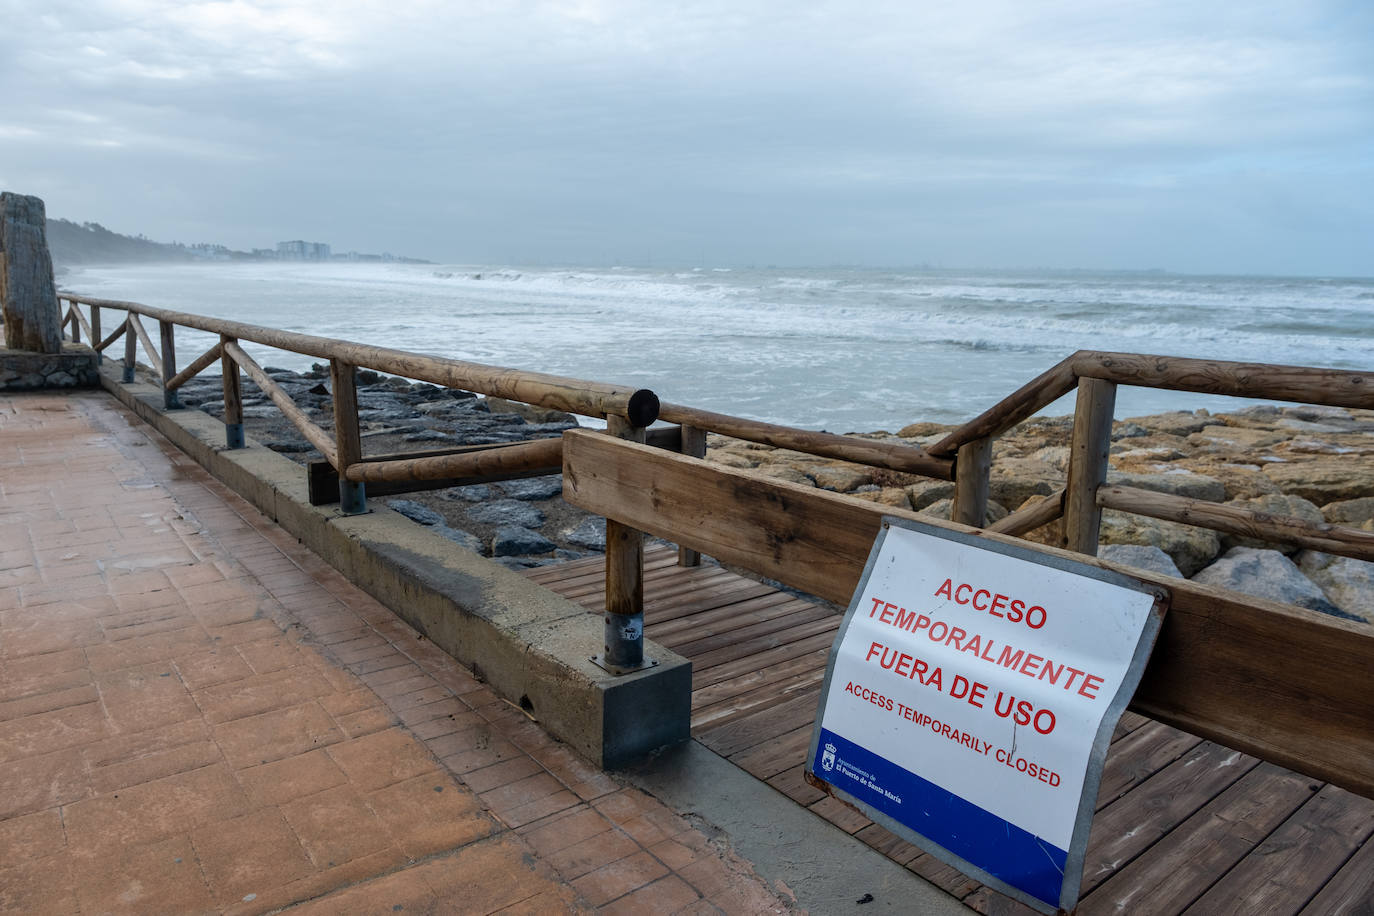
(617,670)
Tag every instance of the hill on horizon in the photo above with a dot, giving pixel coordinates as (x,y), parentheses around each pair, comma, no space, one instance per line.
(75,244)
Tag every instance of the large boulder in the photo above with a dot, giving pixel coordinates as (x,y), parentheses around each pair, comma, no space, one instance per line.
(1140,556)
(1323,481)
(1349,583)
(1350,512)
(415,511)
(1190,548)
(842,478)
(944,508)
(1014,480)
(1267,574)
(506,512)
(929,491)
(514,541)
(1181,483)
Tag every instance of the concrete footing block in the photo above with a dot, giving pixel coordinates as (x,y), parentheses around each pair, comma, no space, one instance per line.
(531,646)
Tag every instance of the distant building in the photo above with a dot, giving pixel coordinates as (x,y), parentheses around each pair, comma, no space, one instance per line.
(302,251)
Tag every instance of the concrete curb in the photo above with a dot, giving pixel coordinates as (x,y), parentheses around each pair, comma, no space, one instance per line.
(531,646)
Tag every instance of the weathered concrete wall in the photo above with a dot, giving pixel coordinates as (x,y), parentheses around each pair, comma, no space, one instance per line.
(531,646)
(23,370)
(28,294)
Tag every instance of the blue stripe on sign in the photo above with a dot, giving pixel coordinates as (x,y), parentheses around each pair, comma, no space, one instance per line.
(999,847)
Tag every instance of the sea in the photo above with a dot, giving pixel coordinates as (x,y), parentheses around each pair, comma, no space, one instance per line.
(840,349)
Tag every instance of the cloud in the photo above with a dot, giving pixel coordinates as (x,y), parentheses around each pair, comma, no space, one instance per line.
(558,130)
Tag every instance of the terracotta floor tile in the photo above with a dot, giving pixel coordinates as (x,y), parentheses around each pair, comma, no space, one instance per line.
(138,699)
(382,758)
(268,655)
(335,826)
(487,876)
(366,721)
(162,877)
(34,783)
(402,892)
(156,765)
(619,878)
(258,694)
(217,666)
(319,883)
(431,813)
(448,724)
(252,854)
(38,886)
(31,836)
(664,897)
(559,900)
(294,777)
(153,810)
(341,704)
(46,732)
(592,853)
(501,774)
(277,734)
(561,831)
(538,809)
(61,697)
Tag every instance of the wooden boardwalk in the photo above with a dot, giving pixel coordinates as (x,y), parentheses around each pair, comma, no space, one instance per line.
(1183,825)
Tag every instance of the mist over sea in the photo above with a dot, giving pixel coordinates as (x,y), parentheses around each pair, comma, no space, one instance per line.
(836,348)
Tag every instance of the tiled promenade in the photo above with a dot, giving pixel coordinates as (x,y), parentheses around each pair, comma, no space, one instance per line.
(199,715)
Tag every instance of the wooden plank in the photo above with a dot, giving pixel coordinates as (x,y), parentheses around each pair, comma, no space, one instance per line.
(752,730)
(1283,529)
(726,617)
(701,644)
(1351,890)
(1028,518)
(1286,870)
(792,783)
(1332,387)
(114,335)
(535,457)
(761,645)
(718,714)
(149,350)
(1138,756)
(772,757)
(313,434)
(756,678)
(1128,827)
(692,443)
(198,365)
(1280,682)
(1092,440)
(1178,869)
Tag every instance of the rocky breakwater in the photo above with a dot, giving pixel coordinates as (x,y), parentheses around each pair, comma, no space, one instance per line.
(518,523)
(1314,463)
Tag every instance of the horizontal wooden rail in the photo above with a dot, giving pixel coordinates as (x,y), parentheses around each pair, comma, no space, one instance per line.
(1031,517)
(595,399)
(905,458)
(539,454)
(1283,683)
(1330,387)
(1346,542)
(198,365)
(323,442)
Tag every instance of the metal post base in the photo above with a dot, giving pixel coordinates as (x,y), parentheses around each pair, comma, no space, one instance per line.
(170,401)
(128,375)
(352,497)
(624,649)
(233,435)
(644,665)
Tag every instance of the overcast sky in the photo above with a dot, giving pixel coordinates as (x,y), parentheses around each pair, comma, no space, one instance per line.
(1180,134)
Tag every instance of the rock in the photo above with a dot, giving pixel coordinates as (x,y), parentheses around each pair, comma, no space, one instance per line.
(415,512)
(1014,480)
(473,493)
(1128,431)
(1190,548)
(517,563)
(533,488)
(841,478)
(514,541)
(1273,504)
(1183,483)
(507,512)
(589,533)
(1176,423)
(1235,438)
(1267,574)
(787,473)
(923,430)
(730,459)
(1351,512)
(929,491)
(1322,481)
(945,508)
(1242,482)
(427,435)
(886,496)
(1347,582)
(1140,556)
(464,539)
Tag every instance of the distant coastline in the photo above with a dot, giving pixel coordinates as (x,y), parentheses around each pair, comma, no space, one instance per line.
(88,244)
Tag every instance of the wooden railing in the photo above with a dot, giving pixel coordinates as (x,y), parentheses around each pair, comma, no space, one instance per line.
(1281,682)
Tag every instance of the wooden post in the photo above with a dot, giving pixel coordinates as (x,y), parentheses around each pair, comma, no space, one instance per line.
(130,348)
(1092,440)
(347,438)
(76,323)
(624,644)
(233,396)
(28,295)
(95,333)
(693,446)
(971,472)
(167,330)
